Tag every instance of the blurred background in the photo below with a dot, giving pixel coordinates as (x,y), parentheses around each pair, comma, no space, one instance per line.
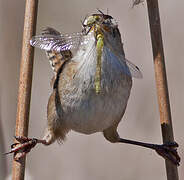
(91,157)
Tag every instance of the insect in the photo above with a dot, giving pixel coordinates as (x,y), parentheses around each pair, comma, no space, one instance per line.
(91,87)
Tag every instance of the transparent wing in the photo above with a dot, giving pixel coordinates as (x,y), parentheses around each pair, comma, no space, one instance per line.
(134,70)
(86,64)
(127,67)
(58,43)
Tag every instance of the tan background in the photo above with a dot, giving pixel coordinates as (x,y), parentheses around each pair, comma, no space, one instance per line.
(84,157)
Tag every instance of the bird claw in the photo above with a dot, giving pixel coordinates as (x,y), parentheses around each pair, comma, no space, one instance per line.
(23,146)
(169,152)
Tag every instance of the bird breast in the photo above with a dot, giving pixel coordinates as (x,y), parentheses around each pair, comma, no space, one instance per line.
(83,110)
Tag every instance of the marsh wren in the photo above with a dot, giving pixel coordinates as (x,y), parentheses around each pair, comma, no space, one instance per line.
(91,87)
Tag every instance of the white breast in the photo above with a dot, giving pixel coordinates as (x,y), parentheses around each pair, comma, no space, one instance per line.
(88,112)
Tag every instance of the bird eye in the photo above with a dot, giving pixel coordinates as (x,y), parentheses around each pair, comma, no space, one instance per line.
(107,22)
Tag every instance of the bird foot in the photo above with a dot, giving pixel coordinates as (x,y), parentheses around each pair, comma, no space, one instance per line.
(23,146)
(169,152)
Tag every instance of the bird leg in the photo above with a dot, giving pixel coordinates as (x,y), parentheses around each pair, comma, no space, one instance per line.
(167,150)
(24,146)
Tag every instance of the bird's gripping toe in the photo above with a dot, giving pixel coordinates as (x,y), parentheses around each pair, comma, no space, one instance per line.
(169,152)
(23,146)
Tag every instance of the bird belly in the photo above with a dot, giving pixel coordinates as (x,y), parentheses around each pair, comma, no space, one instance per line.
(85,111)
(97,112)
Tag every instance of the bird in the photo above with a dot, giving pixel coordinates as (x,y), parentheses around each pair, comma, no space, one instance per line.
(91,85)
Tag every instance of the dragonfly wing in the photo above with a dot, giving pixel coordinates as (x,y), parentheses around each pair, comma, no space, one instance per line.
(55,41)
(127,67)
(134,70)
(87,63)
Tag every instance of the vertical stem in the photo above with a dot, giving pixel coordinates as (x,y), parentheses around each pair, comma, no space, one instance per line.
(3,162)
(161,82)
(25,82)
